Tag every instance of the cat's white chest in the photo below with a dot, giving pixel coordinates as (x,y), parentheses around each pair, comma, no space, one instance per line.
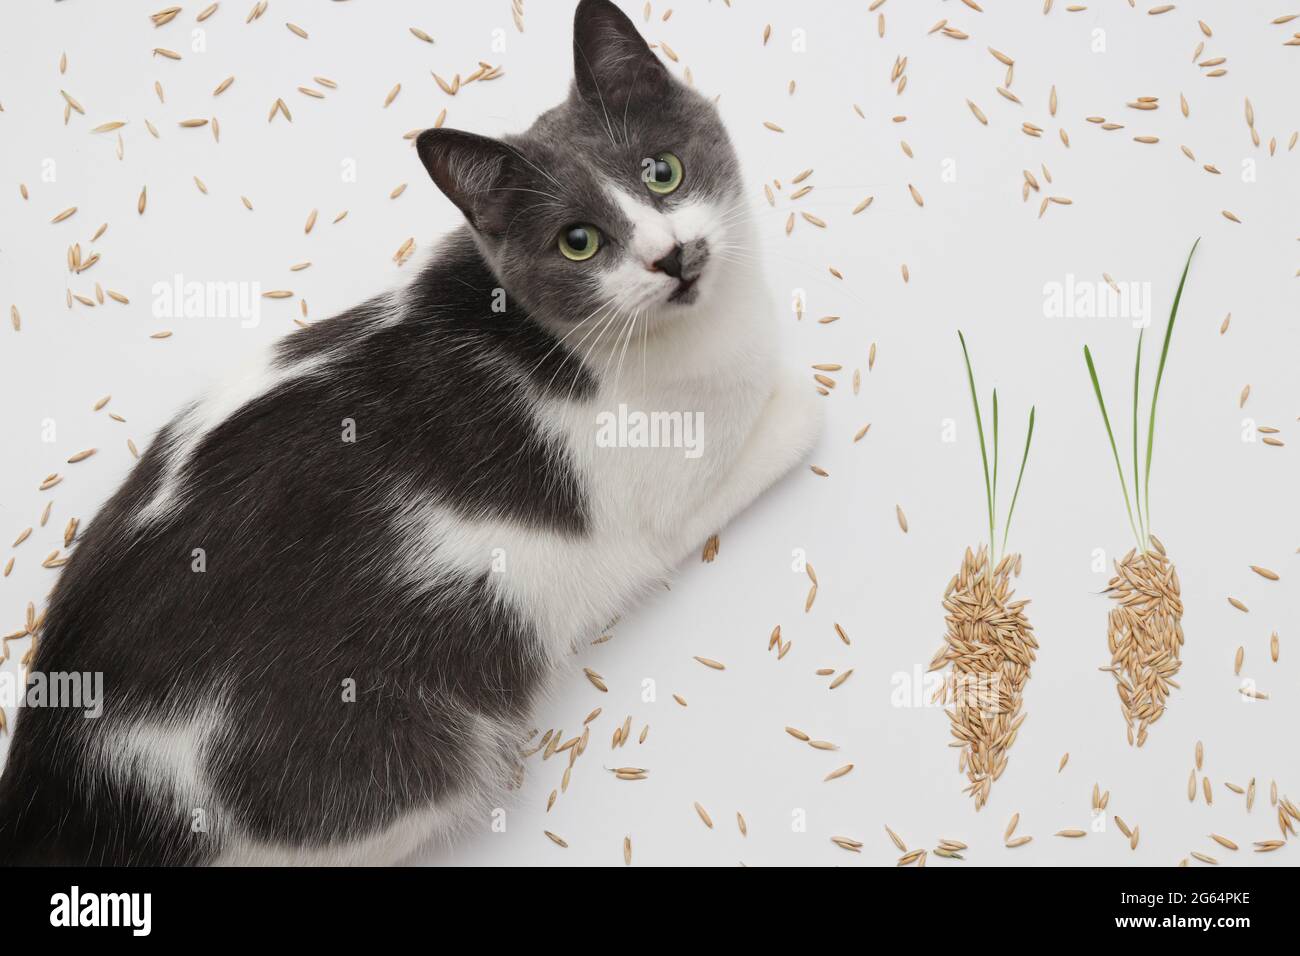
(660,433)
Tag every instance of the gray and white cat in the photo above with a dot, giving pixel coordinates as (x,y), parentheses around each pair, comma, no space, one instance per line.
(617,227)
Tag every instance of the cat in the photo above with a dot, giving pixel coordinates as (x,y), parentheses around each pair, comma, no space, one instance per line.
(406,514)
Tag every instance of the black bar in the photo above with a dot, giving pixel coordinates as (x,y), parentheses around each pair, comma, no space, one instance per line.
(257,905)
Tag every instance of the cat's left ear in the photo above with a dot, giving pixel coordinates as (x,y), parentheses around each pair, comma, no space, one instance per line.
(611,62)
(470,170)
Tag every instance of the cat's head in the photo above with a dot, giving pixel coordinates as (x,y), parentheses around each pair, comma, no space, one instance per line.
(622,200)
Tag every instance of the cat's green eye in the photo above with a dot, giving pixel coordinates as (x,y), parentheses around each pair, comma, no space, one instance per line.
(579,242)
(664,175)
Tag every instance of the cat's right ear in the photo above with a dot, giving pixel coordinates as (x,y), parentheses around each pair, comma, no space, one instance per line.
(468,169)
(612,64)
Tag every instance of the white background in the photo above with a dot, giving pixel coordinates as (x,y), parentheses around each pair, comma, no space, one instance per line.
(979,259)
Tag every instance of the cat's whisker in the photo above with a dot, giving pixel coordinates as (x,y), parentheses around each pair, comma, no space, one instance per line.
(730,217)
(573,354)
(631,330)
(645,348)
(600,329)
(743,204)
(760,258)
(599,342)
(760,254)
(734,216)
(563,338)
(613,349)
(742,263)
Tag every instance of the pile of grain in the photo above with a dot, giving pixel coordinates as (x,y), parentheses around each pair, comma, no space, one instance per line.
(990,647)
(1145,636)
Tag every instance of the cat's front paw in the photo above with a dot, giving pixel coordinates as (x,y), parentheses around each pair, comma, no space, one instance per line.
(797,414)
(783,435)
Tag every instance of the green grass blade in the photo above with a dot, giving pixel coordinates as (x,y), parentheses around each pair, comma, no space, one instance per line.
(995,460)
(979,423)
(1160,371)
(1123,485)
(1006,529)
(1137,498)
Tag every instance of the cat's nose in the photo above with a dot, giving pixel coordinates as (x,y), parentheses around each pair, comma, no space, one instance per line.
(671,263)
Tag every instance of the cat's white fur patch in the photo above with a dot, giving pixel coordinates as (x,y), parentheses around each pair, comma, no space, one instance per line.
(163,758)
(385,847)
(494,745)
(166,759)
(633,283)
(257,377)
(564,586)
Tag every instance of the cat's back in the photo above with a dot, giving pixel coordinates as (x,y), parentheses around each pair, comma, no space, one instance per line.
(277,511)
(254,596)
